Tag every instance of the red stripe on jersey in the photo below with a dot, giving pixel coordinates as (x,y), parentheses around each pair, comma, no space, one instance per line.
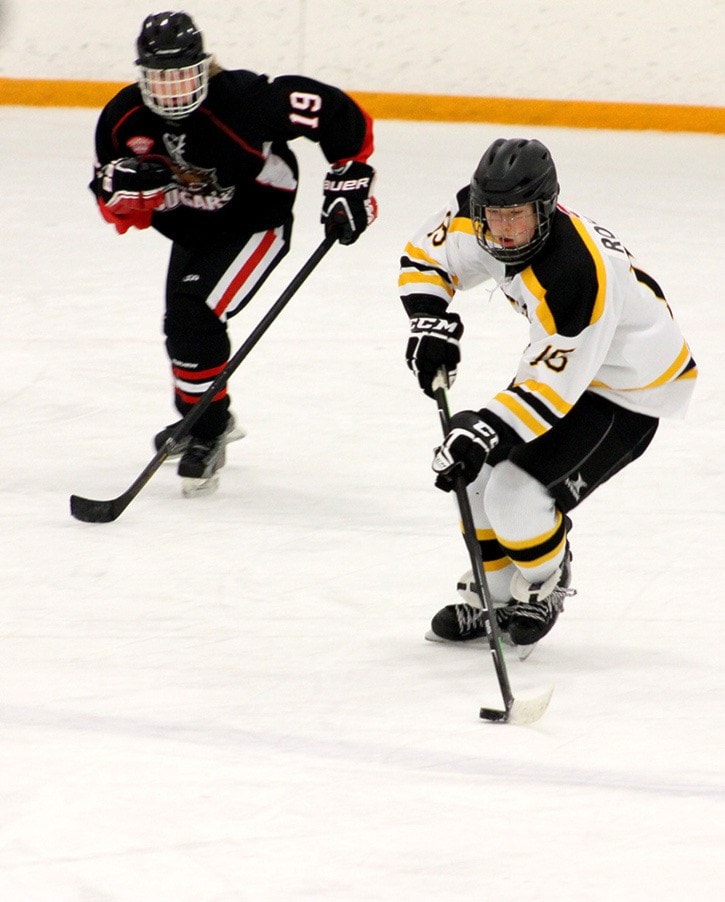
(194,399)
(120,122)
(233,135)
(195,375)
(249,266)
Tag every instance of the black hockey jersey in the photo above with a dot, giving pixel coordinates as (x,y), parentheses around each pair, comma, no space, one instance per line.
(233,169)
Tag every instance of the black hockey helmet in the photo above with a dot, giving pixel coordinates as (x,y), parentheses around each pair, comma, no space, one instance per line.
(512,172)
(169,41)
(174,68)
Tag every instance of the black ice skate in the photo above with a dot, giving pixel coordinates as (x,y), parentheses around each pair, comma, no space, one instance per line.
(232,433)
(533,618)
(463,622)
(199,465)
(536,606)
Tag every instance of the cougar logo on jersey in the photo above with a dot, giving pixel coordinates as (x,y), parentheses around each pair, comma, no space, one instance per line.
(199,187)
(175,147)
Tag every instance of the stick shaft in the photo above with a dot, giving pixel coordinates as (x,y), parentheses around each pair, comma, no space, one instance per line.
(92,511)
(474,552)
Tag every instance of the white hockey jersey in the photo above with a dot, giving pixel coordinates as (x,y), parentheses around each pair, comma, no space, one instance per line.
(597,322)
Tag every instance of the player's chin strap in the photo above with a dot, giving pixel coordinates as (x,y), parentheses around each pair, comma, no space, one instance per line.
(515,710)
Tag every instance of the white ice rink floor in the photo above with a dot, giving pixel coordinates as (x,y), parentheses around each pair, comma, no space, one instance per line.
(230,698)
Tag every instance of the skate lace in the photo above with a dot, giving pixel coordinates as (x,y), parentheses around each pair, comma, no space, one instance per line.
(543,609)
(468,617)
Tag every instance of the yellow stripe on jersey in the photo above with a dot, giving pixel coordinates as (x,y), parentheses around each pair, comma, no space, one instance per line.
(667,376)
(417,253)
(408,277)
(688,374)
(462,224)
(670,372)
(539,292)
(599,266)
(547,392)
(432,278)
(519,411)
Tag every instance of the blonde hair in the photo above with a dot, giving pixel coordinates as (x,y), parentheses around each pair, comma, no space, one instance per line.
(214,67)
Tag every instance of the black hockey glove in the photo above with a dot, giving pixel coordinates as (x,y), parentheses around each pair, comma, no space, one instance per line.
(130,189)
(348,207)
(434,343)
(464,450)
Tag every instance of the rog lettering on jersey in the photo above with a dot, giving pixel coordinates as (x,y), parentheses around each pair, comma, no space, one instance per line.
(198,188)
(609,239)
(140,144)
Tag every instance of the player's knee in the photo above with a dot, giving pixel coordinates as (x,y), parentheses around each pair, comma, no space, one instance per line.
(512,495)
(188,313)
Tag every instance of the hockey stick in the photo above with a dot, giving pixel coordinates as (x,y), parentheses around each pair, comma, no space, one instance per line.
(91,511)
(518,711)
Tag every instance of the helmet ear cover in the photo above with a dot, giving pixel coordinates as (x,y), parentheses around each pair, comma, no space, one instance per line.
(173,67)
(511,173)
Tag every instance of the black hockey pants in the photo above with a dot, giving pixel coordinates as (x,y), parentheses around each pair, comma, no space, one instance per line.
(205,286)
(595,440)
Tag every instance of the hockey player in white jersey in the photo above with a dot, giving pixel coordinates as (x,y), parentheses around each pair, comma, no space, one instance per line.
(605,360)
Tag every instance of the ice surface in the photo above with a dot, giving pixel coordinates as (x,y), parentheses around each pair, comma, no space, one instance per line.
(230,698)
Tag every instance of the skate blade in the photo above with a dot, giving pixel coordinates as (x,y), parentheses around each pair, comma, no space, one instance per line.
(236,433)
(191,488)
(431,637)
(525,650)
(434,637)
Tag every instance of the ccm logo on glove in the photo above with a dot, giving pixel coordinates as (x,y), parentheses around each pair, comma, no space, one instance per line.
(434,343)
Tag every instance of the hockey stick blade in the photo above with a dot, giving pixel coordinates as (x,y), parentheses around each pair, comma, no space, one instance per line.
(90,511)
(522,711)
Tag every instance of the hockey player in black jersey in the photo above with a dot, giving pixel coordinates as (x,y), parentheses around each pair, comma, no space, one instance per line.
(604,361)
(201,154)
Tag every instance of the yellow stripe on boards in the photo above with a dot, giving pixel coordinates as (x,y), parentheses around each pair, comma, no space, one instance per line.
(560,113)
(46,92)
(428,107)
